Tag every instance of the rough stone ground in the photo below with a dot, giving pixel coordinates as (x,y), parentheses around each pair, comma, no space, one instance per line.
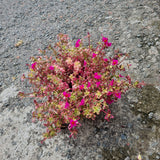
(133,26)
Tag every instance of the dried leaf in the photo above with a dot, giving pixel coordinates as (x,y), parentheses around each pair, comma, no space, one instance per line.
(18,43)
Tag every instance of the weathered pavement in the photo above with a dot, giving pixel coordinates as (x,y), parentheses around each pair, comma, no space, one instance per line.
(133,26)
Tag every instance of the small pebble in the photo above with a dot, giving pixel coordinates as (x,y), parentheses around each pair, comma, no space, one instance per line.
(127,158)
(150,115)
(130,125)
(138,35)
(139,45)
(123,137)
(149,44)
(1,28)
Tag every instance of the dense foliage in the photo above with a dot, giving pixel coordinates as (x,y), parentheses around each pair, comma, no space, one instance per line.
(75,82)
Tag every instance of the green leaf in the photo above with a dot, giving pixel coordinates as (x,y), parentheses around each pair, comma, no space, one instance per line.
(73,98)
(76,112)
(97,109)
(52,133)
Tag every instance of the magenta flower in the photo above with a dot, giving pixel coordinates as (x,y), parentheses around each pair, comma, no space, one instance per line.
(66,105)
(66,94)
(114,62)
(85,63)
(82,102)
(109,101)
(51,68)
(33,65)
(105,59)
(118,94)
(98,84)
(109,93)
(121,75)
(94,55)
(97,76)
(112,82)
(104,39)
(108,44)
(81,87)
(77,43)
(89,84)
(73,123)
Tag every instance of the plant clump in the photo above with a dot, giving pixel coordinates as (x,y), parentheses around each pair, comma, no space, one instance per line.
(75,82)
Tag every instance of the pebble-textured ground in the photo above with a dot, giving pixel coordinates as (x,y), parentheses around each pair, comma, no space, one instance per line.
(133,26)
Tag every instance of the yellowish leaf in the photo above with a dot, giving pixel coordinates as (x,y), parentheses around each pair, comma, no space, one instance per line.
(18,43)
(13,78)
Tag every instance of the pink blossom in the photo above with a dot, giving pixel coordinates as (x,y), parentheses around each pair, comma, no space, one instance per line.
(104,39)
(82,102)
(51,68)
(112,82)
(108,44)
(81,87)
(89,84)
(98,84)
(66,94)
(33,65)
(109,93)
(77,43)
(97,76)
(109,101)
(66,105)
(105,59)
(118,94)
(121,75)
(94,55)
(85,63)
(73,123)
(114,62)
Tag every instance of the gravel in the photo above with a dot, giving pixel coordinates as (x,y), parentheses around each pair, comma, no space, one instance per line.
(133,26)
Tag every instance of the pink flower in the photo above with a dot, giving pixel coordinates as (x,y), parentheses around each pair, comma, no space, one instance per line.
(66,105)
(51,68)
(77,43)
(108,44)
(109,101)
(73,123)
(114,62)
(33,65)
(104,39)
(89,84)
(118,94)
(98,83)
(112,82)
(106,60)
(66,94)
(109,93)
(94,55)
(82,102)
(81,87)
(97,76)
(121,75)
(85,63)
